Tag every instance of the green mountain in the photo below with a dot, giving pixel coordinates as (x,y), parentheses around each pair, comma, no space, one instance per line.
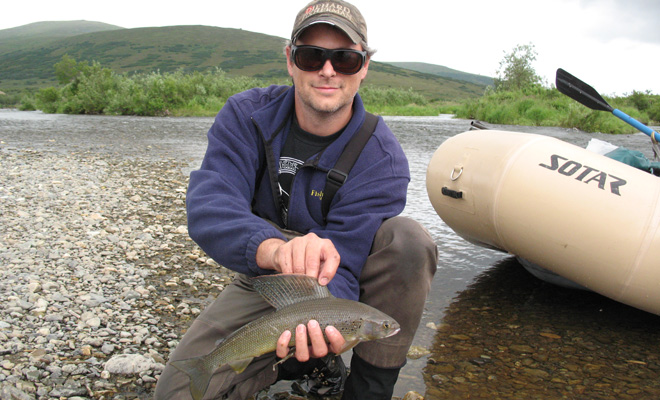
(444,72)
(55,29)
(40,33)
(28,53)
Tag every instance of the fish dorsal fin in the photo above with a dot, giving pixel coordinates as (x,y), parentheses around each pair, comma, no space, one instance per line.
(283,290)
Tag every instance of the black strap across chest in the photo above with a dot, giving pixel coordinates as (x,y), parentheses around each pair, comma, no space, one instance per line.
(338,174)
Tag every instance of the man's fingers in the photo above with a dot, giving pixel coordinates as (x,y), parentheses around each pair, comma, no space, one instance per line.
(309,255)
(329,263)
(319,347)
(335,339)
(312,258)
(302,351)
(283,259)
(298,250)
(282,348)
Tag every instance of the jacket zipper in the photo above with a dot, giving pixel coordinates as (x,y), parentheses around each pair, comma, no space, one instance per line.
(272,171)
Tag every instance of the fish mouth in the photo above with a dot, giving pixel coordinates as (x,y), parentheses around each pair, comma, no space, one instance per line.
(394,332)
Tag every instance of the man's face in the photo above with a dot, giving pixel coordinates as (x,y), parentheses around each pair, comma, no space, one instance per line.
(325,91)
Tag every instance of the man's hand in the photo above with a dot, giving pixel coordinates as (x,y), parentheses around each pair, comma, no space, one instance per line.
(316,347)
(309,255)
(316,257)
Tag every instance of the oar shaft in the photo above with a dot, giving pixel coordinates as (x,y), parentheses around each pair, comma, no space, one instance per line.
(632,121)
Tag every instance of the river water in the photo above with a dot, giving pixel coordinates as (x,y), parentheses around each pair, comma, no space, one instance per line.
(491,328)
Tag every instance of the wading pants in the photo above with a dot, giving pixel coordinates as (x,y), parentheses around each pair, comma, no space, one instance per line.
(395,279)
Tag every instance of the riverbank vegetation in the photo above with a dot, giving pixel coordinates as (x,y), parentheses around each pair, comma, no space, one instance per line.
(539,106)
(519,97)
(94,89)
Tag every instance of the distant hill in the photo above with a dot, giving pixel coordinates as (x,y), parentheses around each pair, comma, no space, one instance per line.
(55,29)
(28,53)
(40,33)
(445,72)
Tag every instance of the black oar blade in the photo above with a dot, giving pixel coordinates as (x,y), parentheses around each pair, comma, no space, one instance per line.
(580,91)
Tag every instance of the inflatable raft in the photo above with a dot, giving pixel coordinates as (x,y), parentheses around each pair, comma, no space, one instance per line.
(582,216)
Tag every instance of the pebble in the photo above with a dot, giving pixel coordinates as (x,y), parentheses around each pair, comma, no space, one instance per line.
(412,395)
(416,352)
(95,262)
(127,364)
(537,341)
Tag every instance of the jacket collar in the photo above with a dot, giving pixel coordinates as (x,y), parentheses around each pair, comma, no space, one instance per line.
(276,114)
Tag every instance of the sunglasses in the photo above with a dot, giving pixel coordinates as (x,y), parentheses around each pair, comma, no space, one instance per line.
(312,58)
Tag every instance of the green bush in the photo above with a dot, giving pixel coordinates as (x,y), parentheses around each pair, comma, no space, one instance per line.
(641,101)
(9,100)
(93,89)
(654,112)
(28,103)
(537,115)
(374,97)
(536,105)
(47,99)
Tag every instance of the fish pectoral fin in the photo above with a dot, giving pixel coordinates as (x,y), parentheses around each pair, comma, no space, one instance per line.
(348,345)
(292,351)
(239,365)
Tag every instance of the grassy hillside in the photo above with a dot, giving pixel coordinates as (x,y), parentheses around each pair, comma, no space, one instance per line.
(41,33)
(53,29)
(432,86)
(28,53)
(445,72)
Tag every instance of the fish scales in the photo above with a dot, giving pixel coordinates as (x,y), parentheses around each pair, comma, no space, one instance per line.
(260,337)
(297,300)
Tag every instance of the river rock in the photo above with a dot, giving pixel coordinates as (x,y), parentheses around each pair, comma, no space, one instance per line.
(127,364)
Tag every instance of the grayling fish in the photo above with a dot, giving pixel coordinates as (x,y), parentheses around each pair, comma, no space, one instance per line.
(297,299)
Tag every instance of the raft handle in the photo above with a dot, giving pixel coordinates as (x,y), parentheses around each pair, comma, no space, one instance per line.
(451,176)
(452,193)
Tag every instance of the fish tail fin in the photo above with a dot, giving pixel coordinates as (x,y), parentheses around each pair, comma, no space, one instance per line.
(199,373)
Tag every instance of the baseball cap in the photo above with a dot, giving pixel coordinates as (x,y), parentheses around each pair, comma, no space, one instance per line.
(341,14)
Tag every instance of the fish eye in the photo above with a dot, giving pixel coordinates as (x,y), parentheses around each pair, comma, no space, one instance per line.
(386,325)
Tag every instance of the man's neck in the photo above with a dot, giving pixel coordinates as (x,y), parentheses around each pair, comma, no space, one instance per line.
(323,124)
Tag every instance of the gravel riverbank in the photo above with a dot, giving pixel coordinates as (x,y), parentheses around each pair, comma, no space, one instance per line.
(98,275)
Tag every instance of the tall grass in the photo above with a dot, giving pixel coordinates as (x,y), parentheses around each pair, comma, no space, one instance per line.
(93,89)
(393,101)
(99,90)
(540,106)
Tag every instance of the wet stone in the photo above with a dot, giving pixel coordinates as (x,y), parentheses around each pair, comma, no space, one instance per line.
(72,298)
(535,351)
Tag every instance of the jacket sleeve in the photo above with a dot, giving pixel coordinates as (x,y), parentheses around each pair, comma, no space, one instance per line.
(375,193)
(220,219)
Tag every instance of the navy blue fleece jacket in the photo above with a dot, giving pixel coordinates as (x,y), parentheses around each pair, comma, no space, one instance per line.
(226,206)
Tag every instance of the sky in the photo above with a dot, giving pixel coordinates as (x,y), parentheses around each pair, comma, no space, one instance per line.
(613,45)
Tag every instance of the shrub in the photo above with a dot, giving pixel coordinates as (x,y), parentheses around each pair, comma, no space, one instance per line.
(537,115)
(654,112)
(47,99)
(93,89)
(378,97)
(28,103)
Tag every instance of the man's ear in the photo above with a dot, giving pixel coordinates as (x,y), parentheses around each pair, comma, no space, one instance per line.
(289,62)
(365,68)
